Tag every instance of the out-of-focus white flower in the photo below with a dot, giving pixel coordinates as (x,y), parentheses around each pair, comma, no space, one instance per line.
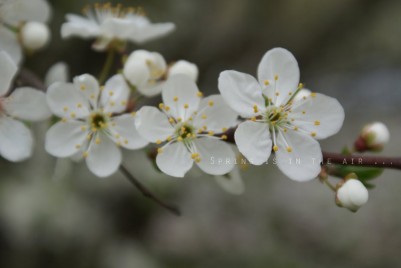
(148,71)
(16,141)
(275,121)
(14,14)
(107,23)
(375,136)
(187,124)
(302,94)
(57,73)
(89,125)
(352,194)
(231,182)
(34,35)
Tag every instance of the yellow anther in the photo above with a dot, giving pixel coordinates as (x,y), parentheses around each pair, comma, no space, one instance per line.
(112,103)
(253,119)
(65,109)
(204,116)
(289,93)
(204,127)
(210,133)
(224,137)
(169,138)
(79,105)
(82,87)
(167,108)
(97,141)
(133,113)
(197,160)
(190,118)
(179,138)
(83,128)
(289,149)
(125,141)
(304,97)
(158,142)
(175,98)
(296,128)
(317,123)
(300,86)
(85,154)
(92,96)
(275,148)
(179,119)
(285,130)
(161,106)
(313,94)
(111,93)
(94,129)
(313,134)
(159,150)
(266,82)
(101,88)
(88,137)
(64,120)
(303,112)
(277,94)
(276,77)
(186,106)
(77,146)
(72,115)
(117,136)
(224,129)
(171,120)
(255,108)
(189,135)
(292,119)
(194,155)
(210,103)
(199,94)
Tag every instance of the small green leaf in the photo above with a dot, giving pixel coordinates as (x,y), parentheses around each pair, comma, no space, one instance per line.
(363,173)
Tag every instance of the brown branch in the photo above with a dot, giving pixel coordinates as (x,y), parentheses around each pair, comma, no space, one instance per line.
(147,193)
(28,78)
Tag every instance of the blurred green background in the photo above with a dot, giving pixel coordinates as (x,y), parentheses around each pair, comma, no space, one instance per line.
(347,49)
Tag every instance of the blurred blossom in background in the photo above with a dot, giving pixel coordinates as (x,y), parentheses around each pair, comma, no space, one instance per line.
(347,49)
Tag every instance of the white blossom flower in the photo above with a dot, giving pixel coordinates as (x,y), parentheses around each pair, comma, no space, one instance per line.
(107,23)
(13,16)
(34,35)
(303,92)
(188,124)
(148,71)
(59,72)
(275,121)
(375,135)
(91,123)
(16,141)
(352,194)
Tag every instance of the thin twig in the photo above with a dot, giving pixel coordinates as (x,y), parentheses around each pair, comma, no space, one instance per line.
(27,78)
(147,193)
(362,160)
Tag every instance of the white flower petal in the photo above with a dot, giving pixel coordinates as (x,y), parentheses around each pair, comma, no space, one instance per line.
(303,162)
(184,67)
(8,70)
(17,11)
(16,141)
(174,160)
(241,92)
(152,124)
(215,114)
(179,91)
(57,73)
(125,133)
(114,96)
(150,32)
(279,63)
(10,44)
(151,90)
(66,101)
(136,72)
(216,156)
(253,141)
(66,139)
(231,182)
(103,158)
(79,26)
(27,104)
(89,87)
(318,114)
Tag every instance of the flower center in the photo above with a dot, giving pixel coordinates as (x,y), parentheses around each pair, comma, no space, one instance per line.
(101,12)
(98,121)
(275,117)
(185,132)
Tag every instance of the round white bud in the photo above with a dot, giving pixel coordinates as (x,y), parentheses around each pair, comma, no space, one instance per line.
(184,67)
(352,194)
(375,135)
(34,35)
(301,94)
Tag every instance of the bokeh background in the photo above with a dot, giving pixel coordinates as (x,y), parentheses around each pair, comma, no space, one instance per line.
(348,49)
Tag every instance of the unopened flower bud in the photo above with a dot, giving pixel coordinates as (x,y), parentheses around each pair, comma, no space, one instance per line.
(184,67)
(301,94)
(373,137)
(34,35)
(351,194)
